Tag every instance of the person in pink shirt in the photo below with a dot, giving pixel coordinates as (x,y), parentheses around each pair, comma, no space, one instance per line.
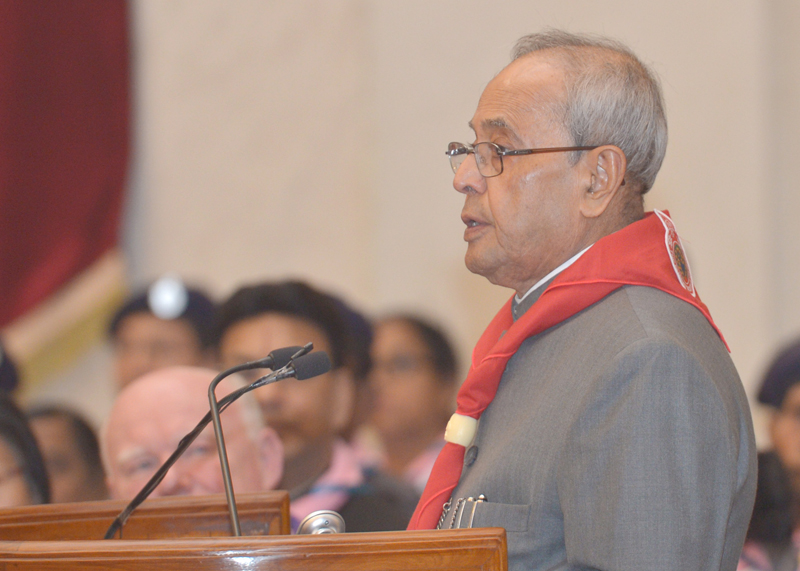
(413,381)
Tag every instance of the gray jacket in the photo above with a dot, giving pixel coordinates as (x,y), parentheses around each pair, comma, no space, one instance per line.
(619,439)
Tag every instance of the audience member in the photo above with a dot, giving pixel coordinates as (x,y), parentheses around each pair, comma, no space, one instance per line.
(71,453)
(358,361)
(413,383)
(23,476)
(166,325)
(321,470)
(771,543)
(152,415)
(780,390)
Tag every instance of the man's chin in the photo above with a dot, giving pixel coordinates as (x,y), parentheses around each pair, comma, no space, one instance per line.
(477,263)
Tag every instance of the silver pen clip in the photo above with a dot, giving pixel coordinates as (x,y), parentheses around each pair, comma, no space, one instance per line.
(469,505)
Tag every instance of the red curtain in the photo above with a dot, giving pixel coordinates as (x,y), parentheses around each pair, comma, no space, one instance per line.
(64,142)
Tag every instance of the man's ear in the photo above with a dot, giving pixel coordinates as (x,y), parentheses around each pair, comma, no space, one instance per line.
(270,449)
(604,172)
(112,492)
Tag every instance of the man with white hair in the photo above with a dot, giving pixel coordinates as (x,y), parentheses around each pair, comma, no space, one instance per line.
(614,431)
(152,414)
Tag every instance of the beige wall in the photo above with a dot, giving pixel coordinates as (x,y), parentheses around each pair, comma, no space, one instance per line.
(307,138)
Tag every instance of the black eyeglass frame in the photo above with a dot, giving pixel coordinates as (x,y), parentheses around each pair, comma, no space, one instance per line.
(456,149)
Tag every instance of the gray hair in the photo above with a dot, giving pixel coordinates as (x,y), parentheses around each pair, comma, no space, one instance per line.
(612,99)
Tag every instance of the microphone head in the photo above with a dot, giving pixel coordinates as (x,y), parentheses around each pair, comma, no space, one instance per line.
(311,365)
(281,357)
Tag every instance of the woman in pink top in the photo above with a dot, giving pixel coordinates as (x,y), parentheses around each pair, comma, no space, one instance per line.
(414,381)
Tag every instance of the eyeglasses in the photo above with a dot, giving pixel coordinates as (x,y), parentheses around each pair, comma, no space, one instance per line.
(489,156)
(401,365)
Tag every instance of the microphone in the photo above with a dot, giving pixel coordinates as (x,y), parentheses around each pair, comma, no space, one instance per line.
(277,359)
(301,366)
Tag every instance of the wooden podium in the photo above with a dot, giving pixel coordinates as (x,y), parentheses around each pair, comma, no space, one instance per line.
(481,549)
(264,513)
(193,534)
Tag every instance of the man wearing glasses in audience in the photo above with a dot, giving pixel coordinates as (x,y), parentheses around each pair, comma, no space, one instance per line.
(614,431)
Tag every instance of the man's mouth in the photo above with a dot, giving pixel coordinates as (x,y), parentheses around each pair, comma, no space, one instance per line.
(474,227)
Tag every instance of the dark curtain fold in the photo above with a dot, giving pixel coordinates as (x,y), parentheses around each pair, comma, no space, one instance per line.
(64,142)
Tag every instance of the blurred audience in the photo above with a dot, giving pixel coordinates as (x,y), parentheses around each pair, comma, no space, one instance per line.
(357,360)
(414,381)
(23,476)
(771,543)
(780,390)
(152,414)
(321,469)
(71,453)
(166,325)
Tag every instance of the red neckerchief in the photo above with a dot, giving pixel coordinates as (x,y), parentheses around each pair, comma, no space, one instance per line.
(645,253)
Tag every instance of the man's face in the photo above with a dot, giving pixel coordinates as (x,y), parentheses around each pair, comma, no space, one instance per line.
(14,490)
(150,418)
(145,343)
(525,222)
(308,414)
(785,433)
(410,401)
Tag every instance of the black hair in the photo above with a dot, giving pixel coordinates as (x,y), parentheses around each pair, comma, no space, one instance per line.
(16,433)
(199,314)
(443,356)
(359,335)
(291,298)
(82,432)
(782,375)
(772,521)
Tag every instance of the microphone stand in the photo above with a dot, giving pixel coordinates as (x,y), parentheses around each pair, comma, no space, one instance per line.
(220,438)
(187,440)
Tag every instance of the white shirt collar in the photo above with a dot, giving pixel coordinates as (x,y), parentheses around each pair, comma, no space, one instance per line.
(552,274)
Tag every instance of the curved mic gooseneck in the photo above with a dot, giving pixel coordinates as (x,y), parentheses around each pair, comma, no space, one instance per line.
(214,407)
(279,359)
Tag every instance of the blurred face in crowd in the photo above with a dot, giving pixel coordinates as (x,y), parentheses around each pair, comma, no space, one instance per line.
(410,400)
(154,413)
(785,432)
(144,343)
(71,477)
(14,491)
(308,415)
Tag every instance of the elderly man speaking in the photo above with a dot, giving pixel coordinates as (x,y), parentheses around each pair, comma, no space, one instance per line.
(614,432)
(151,416)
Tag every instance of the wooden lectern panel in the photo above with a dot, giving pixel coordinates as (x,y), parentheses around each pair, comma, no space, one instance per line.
(264,513)
(481,549)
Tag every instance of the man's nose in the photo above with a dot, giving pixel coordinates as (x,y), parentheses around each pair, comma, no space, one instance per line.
(467,178)
(176,482)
